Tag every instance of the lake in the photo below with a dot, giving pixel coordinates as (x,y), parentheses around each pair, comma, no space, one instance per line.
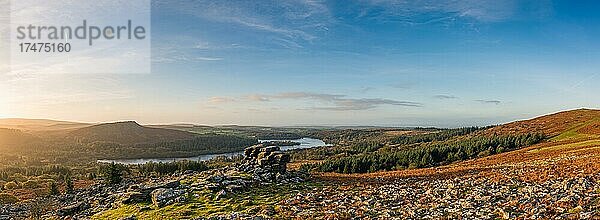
(305,143)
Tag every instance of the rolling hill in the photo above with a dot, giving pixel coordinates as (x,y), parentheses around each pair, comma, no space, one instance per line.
(10,138)
(583,120)
(40,125)
(127,133)
(572,150)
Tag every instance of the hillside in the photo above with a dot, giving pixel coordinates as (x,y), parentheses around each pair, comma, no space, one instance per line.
(39,125)
(554,124)
(557,177)
(10,138)
(127,133)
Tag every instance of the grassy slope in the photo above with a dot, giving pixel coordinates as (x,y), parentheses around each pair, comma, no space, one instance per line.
(203,204)
(574,133)
(552,125)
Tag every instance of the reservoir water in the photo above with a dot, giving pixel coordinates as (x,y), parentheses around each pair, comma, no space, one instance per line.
(305,143)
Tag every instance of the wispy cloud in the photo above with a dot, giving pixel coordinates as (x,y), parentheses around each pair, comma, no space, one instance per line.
(342,103)
(173,53)
(345,104)
(447,11)
(203,45)
(308,95)
(445,97)
(220,100)
(290,22)
(208,58)
(257,98)
(333,102)
(487,101)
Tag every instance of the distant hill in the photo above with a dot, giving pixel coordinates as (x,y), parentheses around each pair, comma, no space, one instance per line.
(127,133)
(35,125)
(12,138)
(581,120)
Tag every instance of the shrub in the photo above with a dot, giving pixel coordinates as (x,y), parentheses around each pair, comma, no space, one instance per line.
(91,176)
(40,192)
(54,189)
(69,184)
(31,184)
(45,182)
(11,185)
(18,177)
(6,198)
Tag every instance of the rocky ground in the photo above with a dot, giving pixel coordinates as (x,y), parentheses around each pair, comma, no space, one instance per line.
(467,197)
(554,180)
(263,166)
(550,181)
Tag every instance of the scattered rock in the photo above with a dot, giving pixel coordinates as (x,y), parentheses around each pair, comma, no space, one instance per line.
(162,197)
(134,197)
(72,209)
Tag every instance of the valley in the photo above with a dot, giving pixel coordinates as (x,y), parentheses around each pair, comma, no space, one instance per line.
(543,168)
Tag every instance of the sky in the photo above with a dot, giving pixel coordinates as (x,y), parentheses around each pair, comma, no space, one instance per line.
(439,63)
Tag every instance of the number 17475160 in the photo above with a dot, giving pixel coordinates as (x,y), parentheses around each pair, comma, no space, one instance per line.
(45,47)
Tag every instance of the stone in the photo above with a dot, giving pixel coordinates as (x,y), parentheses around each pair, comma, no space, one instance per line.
(147,189)
(72,209)
(134,197)
(162,197)
(215,178)
(221,194)
(234,188)
(213,187)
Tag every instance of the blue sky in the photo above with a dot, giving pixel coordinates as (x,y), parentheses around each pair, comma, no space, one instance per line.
(372,62)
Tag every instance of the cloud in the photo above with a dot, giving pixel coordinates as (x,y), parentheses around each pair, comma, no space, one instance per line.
(364,104)
(257,98)
(335,102)
(220,100)
(289,22)
(485,101)
(308,95)
(448,11)
(445,97)
(171,53)
(208,58)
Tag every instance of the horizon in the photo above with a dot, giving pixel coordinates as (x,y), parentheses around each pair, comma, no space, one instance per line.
(295,125)
(331,63)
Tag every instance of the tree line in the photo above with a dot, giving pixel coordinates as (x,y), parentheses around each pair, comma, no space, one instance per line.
(435,136)
(429,154)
